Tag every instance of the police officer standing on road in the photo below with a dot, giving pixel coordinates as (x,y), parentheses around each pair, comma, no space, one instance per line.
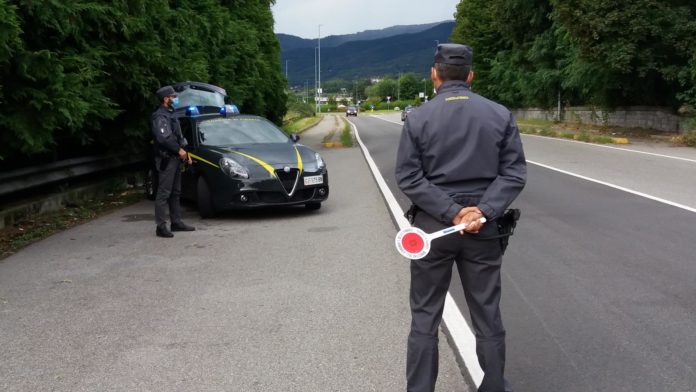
(460,159)
(169,146)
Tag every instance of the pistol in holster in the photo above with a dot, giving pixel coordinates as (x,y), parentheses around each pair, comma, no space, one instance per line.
(506,226)
(410,214)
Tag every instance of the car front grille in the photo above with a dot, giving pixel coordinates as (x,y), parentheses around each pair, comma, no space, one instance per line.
(288,179)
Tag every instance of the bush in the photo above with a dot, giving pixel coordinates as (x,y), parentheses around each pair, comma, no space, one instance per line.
(688,139)
(583,137)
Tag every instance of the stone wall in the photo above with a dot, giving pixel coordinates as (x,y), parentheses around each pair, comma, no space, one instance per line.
(657,118)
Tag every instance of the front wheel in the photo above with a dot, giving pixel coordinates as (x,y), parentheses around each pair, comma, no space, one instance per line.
(313,206)
(206,209)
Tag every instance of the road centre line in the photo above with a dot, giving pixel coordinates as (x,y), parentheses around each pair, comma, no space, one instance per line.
(615,148)
(459,330)
(634,192)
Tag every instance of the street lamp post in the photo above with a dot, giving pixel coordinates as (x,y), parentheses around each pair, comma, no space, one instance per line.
(398,88)
(319,72)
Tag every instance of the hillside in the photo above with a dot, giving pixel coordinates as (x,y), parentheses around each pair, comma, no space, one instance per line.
(366,58)
(290,42)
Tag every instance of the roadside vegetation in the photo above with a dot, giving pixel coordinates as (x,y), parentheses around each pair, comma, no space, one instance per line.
(300,117)
(347,134)
(600,135)
(78,78)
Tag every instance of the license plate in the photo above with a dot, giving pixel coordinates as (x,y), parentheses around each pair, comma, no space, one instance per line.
(314,180)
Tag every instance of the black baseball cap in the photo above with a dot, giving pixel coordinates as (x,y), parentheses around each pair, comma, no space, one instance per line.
(454,54)
(166,91)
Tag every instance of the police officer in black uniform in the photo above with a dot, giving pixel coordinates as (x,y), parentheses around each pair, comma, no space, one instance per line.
(460,158)
(169,146)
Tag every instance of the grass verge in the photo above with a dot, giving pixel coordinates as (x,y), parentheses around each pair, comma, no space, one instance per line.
(347,134)
(300,125)
(38,227)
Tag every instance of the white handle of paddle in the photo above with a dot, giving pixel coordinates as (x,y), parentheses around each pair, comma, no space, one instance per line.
(451,229)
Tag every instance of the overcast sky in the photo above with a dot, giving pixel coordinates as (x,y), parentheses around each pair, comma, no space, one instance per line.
(337,17)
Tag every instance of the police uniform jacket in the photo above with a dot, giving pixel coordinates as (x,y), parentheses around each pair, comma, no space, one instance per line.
(166,132)
(460,150)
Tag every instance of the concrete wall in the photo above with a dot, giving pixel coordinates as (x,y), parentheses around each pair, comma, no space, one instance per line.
(657,118)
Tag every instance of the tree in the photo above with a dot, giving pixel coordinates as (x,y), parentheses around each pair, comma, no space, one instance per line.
(596,52)
(83,73)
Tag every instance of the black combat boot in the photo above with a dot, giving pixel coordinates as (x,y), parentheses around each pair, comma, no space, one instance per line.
(181,226)
(163,232)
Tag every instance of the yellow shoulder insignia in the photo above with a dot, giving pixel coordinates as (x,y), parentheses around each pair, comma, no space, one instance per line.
(457,98)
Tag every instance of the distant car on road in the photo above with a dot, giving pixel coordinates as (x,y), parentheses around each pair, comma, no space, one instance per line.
(351,111)
(406,111)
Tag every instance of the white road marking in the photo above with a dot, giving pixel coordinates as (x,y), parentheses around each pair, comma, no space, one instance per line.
(645,195)
(389,121)
(615,148)
(459,330)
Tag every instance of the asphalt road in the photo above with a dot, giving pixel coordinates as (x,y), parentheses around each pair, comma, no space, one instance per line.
(271,300)
(598,281)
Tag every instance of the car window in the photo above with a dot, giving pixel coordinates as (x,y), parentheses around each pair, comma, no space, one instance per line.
(186,129)
(194,97)
(239,131)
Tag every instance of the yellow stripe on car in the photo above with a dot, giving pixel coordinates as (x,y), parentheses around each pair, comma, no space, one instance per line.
(299,160)
(196,157)
(260,162)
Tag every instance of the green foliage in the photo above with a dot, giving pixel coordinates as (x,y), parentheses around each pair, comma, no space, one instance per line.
(83,73)
(605,53)
(347,135)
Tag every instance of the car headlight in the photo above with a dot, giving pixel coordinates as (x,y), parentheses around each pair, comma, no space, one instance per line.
(232,168)
(320,161)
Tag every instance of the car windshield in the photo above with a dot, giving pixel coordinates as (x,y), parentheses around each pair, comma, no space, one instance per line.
(194,97)
(239,131)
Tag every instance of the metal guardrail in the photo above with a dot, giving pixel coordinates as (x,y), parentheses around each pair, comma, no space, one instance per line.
(52,173)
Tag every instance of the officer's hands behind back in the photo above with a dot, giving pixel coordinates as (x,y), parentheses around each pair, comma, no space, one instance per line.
(470,216)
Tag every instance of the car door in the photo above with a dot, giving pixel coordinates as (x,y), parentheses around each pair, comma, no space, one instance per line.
(188,175)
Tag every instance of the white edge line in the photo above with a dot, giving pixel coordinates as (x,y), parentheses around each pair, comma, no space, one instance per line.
(645,195)
(459,330)
(612,148)
(384,119)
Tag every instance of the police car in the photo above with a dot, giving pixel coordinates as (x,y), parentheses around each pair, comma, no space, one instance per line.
(243,161)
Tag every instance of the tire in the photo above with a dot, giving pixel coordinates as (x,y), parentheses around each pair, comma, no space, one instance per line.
(313,206)
(150,184)
(206,209)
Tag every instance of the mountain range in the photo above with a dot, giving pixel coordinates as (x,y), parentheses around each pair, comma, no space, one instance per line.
(372,53)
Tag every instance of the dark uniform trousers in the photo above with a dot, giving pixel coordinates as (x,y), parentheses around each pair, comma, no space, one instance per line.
(169,190)
(478,262)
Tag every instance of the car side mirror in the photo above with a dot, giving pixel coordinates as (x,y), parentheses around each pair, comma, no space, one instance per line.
(295,137)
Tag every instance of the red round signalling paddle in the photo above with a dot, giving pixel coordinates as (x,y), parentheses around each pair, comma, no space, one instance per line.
(413,243)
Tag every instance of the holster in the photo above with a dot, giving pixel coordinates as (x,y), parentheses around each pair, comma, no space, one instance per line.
(164,161)
(506,226)
(410,214)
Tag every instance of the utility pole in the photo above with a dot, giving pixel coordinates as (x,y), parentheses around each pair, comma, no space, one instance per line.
(319,72)
(316,88)
(398,89)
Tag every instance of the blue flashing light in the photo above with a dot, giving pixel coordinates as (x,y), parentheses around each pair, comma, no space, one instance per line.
(229,111)
(192,111)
